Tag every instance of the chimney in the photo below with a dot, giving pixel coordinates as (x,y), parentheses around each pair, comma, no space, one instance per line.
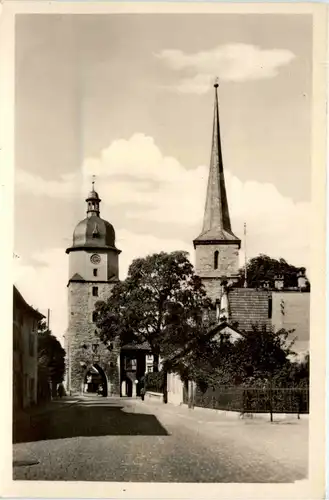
(279,282)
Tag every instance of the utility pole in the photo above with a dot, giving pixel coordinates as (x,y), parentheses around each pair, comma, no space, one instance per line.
(48,316)
(245,256)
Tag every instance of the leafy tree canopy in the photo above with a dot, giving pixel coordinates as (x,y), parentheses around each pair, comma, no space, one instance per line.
(161,302)
(256,358)
(264,268)
(51,355)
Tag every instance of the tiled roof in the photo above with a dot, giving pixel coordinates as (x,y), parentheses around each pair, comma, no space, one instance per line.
(20,302)
(138,347)
(217,234)
(77,277)
(248,307)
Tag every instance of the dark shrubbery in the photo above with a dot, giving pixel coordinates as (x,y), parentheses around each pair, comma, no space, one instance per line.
(154,381)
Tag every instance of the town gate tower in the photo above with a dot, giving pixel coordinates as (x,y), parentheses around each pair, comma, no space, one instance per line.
(93,272)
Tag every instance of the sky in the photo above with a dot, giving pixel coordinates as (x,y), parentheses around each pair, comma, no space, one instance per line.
(129,98)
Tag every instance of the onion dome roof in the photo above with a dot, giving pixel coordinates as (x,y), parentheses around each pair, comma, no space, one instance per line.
(93,231)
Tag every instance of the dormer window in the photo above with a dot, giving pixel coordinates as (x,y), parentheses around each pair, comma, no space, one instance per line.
(95,231)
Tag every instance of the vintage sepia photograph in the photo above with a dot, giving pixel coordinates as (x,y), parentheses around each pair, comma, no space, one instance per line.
(163,232)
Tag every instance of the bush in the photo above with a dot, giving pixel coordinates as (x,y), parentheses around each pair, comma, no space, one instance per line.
(154,381)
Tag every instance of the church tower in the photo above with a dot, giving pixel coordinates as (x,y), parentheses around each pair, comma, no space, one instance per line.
(93,272)
(216,248)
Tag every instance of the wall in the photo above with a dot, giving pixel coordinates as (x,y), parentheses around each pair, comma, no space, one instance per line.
(291,310)
(228,260)
(82,330)
(25,361)
(79,262)
(174,389)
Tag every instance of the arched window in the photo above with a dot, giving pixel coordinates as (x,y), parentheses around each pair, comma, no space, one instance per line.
(216,259)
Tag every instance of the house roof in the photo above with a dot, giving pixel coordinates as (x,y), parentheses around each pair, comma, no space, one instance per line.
(211,333)
(136,347)
(21,303)
(248,307)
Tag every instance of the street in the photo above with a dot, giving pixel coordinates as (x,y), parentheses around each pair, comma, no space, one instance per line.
(113,439)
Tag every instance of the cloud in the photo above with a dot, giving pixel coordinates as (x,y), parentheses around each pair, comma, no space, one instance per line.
(157,190)
(232,63)
(158,194)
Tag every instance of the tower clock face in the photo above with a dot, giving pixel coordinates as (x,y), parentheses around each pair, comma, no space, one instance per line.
(95,258)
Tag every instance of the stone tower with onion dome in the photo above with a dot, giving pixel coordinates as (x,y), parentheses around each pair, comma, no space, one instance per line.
(93,272)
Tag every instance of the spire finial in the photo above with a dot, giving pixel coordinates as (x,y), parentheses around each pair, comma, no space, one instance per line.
(93,183)
(216,84)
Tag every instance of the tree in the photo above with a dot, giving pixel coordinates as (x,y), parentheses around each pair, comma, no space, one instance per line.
(257,358)
(296,374)
(208,362)
(262,354)
(51,361)
(161,302)
(264,268)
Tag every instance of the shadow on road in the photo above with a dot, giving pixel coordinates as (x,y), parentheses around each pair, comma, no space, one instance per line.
(87,419)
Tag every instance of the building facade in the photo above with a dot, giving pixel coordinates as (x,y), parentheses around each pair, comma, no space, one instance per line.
(25,352)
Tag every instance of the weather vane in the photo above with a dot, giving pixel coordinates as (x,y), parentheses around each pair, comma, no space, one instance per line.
(216,84)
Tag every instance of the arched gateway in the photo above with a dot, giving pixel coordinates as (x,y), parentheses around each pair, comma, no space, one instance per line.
(95,381)
(93,272)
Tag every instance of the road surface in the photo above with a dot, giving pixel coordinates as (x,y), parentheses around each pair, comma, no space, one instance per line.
(109,439)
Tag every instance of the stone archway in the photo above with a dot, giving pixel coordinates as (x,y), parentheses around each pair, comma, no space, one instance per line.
(93,377)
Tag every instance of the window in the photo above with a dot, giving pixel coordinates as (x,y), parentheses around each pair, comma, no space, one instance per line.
(95,271)
(150,369)
(270,307)
(95,291)
(216,259)
(130,364)
(95,316)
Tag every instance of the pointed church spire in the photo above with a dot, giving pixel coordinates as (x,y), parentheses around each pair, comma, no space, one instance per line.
(216,220)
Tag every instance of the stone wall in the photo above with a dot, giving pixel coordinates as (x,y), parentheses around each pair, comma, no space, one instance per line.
(82,332)
(228,260)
